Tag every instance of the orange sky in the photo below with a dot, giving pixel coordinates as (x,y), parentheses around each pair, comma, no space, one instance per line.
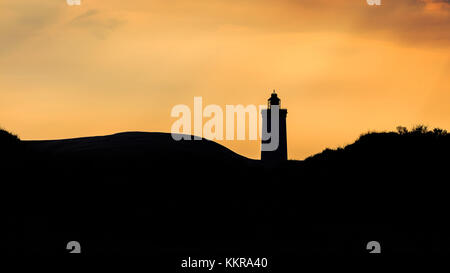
(341,67)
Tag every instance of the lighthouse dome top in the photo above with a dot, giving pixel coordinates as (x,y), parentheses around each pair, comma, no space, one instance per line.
(273,100)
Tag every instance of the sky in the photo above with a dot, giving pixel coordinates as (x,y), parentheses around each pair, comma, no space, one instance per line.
(340,67)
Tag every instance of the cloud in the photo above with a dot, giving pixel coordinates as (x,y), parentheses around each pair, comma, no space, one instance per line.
(417,22)
(93,21)
(88,14)
(19,22)
(412,22)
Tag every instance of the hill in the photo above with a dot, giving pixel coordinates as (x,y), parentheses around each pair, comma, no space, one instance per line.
(132,144)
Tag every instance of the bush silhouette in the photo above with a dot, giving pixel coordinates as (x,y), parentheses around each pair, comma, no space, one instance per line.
(421,130)
(417,145)
(7,136)
(8,141)
(10,149)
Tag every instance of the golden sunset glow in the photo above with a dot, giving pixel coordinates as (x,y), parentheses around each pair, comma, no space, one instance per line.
(340,67)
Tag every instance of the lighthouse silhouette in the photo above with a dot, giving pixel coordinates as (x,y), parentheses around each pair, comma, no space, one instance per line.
(279,154)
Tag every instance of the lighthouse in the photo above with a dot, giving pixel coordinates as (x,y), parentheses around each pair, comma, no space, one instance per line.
(280,153)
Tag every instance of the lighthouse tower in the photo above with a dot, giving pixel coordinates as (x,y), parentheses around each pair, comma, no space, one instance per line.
(280,154)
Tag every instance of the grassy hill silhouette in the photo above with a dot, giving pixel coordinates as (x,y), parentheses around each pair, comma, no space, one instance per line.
(137,148)
(134,144)
(120,192)
(406,145)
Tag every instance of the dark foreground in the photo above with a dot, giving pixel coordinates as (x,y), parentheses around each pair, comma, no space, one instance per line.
(145,194)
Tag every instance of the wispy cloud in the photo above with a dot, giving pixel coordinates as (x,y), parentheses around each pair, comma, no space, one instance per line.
(93,21)
(19,22)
